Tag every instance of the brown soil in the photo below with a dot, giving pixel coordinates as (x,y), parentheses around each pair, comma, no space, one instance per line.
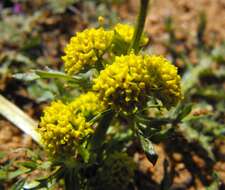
(185,15)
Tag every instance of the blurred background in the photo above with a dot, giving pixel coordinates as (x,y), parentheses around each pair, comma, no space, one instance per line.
(189,33)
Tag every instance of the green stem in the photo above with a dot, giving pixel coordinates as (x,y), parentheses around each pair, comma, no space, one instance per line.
(71,180)
(99,136)
(139,25)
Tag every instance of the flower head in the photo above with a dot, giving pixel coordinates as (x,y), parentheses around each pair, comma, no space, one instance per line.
(60,130)
(121,84)
(63,127)
(126,84)
(85,49)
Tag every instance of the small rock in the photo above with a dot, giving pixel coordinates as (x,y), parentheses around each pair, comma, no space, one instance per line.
(177,157)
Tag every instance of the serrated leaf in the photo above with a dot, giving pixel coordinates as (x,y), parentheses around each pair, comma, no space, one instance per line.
(148,148)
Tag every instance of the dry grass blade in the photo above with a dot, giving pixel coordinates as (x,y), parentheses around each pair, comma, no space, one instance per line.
(19,118)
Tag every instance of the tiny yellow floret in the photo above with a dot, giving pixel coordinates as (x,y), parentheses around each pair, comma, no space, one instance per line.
(101,20)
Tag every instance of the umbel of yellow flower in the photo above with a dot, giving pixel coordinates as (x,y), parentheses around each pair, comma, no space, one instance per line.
(126,32)
(64,126)
(126,83)
(85,49)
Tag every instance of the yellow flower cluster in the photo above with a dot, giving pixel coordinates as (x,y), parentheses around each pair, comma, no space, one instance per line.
(126,32)
(88,46)
(63,126)
(126,83)
(85,49)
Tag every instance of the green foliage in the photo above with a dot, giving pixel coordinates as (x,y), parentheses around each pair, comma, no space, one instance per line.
(148,149)
(116,172)
(60,6)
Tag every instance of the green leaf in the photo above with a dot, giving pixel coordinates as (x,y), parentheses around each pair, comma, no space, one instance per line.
(119,141)
(84,153)
(37,74)
(33,185)
(162,135)
(29,164)
(2,155)
(14,174)
(3,174)
(81,79)
(18,185)
(26,76)
(153,122)
(59,7)
(148,148)
(215,185)
(53,74)
(183,112)
(45,165)
(41,93)
(192,135)
(99,116)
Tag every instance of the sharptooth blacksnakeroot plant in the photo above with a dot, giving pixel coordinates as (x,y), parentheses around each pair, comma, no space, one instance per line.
(118,84)
(74,133)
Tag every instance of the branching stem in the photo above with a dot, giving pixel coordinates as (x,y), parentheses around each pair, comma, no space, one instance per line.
(139,25)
